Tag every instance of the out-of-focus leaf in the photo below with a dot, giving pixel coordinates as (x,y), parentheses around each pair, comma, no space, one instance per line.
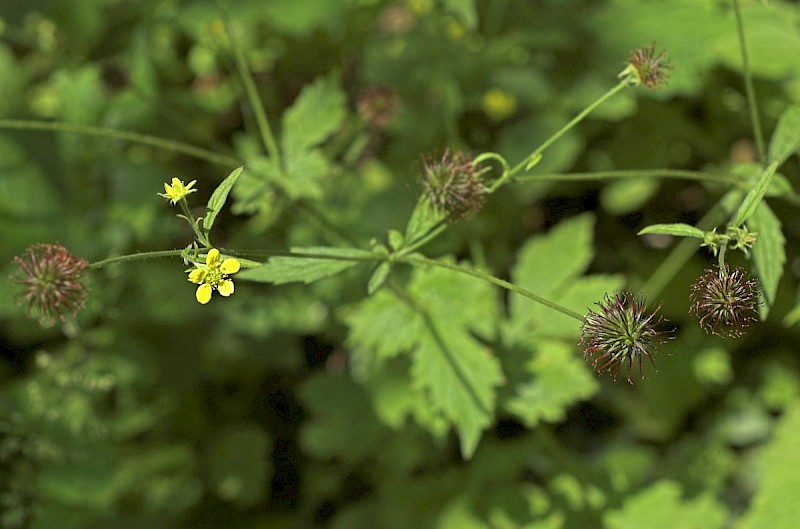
(786,139)
(378,277)
(661,507)
(317,112)
(239,468)
(465,10)
(620,198)
(558,379)
(12,81)
(775,504)
(341,422)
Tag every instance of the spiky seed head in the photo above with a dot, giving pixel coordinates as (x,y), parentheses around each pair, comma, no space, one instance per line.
(620,333)
(725,301)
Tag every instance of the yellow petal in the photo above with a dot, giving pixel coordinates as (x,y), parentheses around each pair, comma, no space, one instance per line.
(176,182)
(203,293)
(212,257)
(167,189)
(190,184)
(225,287)
(230,266)
(197,275)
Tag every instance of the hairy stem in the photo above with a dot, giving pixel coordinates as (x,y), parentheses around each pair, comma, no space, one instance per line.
(132,137)
(748,85)
(419,260)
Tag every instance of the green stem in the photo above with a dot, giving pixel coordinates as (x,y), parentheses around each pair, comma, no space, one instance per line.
(632,173)
(563,130)
(136,257)
(201,237)
(132,137)
(267,137)
(424,261)
(748,85)
(434,232)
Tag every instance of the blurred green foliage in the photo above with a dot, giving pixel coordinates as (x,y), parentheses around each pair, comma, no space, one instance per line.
(438,401)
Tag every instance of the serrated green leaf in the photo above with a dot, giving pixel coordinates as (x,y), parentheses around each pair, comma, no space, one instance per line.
(395,400)
(460,375)
(315,114)
(450,365)
(281,270)
(378,277)
(558,379)
(381,326)
(769,253)
(455,371)
(786,139)
(218,198)
(547,261)
(546,265)
(303,175)
(677,230)
(661,507)
(754,196)
(775,504)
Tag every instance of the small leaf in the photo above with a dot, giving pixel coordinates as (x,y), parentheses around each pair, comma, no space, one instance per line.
(678,230)
(378,277)
(753,198)
(396,240)
(786,139)
(769,253)
(422,220)
(218,198)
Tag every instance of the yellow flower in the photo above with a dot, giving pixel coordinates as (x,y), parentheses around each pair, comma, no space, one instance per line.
(214,276)
(177,190)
